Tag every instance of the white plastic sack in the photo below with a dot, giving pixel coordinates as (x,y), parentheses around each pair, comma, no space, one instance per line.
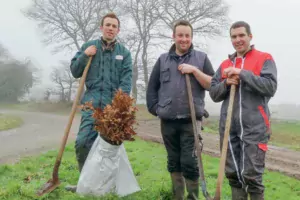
(107,170)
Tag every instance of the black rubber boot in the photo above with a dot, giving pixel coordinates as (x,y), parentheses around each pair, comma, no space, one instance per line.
(177,186)
(193,189)
(73,188)
(238,194)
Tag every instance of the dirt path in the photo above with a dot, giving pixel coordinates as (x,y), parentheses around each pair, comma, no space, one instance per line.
(277,159)
(42,132)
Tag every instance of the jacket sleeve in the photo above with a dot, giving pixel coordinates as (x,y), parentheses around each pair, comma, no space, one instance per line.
(152,90)
(266,83)
(126,74)
(208,68)
(218,89)
(79,62)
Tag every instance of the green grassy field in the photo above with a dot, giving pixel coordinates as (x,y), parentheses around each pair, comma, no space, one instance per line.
(284,133)
(148,160)
(9,122)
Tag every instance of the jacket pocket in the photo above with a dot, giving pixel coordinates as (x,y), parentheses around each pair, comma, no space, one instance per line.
(93,72)
(118,64)
(165,75)
(164,102)
(164,108)
(265,117)
(262,148)
(199,106)
(90,84)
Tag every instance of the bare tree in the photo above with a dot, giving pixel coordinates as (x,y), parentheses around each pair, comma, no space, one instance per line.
(47,94)
(143,14)
(67,23)
(208,17)
(64,81)
(133,42)
(4,54)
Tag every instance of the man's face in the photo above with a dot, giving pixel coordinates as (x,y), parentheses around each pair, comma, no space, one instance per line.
(110,28)
(240,40)
(183,38)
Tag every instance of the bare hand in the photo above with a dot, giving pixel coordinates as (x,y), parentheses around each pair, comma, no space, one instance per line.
(186,68)
(233,80)
(232,71)
(91,50)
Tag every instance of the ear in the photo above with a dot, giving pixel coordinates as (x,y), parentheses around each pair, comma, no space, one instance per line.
(251,36)
(173,36)
(101,28)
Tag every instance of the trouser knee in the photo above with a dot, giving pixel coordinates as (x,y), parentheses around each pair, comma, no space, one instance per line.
(189,167)
(83,145)
(253,183)
(172,145)
(233,178)
(174,164)
(254,168)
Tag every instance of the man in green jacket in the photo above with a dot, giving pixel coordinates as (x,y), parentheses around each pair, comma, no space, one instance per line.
(110,70)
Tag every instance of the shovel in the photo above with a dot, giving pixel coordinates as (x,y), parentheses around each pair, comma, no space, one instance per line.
(54,182)
(225,144)
(196,136)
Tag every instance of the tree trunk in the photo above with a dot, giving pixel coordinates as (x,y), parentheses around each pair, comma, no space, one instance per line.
(70,91)
(135,76)
(145,64)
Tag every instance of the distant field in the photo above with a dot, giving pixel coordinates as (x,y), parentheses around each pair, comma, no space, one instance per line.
(63,108)
(59,108)
(284,133)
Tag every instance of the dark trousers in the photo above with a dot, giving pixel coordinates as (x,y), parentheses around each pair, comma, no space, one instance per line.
(245,162)
(179,140)
(85,138)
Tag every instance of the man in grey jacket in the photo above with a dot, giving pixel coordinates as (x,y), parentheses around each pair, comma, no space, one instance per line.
(255,74)
(167,98)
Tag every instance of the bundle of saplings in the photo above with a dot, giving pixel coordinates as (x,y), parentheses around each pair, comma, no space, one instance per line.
(115,122)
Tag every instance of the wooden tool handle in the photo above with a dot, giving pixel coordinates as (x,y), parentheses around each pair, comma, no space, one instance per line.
(71,117)
(225,144)
(196,136)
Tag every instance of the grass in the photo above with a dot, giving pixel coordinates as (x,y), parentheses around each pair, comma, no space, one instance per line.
(211,125)
(284,133)
(148,160)
(9,122)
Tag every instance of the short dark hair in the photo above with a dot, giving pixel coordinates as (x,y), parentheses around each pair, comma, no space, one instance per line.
(182,23)
(110,15)
(240,24)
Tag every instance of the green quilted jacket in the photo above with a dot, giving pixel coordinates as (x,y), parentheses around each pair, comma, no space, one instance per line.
(111,69)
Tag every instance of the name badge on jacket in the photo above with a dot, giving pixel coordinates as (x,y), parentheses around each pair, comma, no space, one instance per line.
(119,57)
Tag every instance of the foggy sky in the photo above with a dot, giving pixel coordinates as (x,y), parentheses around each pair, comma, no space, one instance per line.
(274,26)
